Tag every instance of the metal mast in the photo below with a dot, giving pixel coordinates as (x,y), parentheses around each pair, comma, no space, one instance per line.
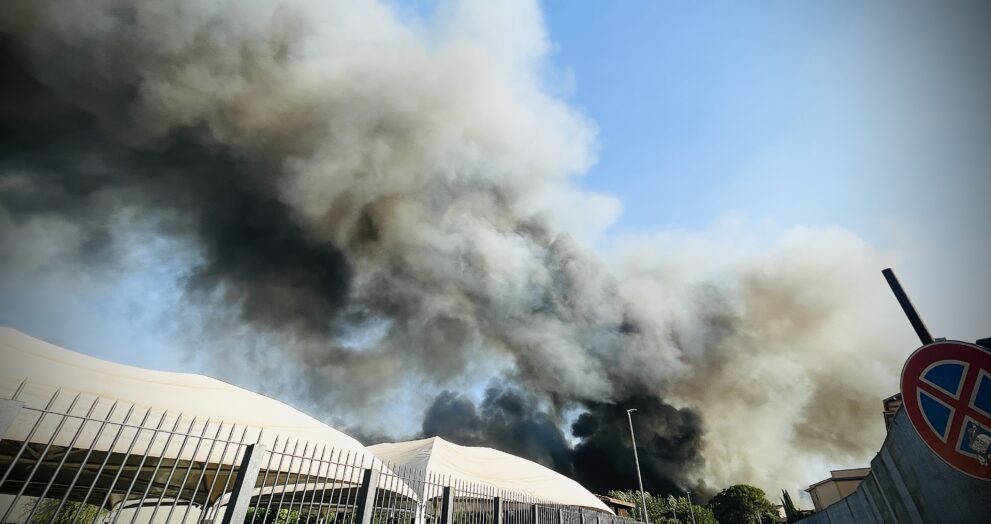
(636,459)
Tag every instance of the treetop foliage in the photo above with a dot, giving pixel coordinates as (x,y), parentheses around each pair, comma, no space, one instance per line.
(667,510)
(742,504)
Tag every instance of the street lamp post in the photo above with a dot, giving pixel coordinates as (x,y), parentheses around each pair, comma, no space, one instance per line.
(636,459)
(690,508)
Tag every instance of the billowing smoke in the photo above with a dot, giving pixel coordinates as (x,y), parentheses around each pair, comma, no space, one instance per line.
(505,420)
(603,457)
(374,216)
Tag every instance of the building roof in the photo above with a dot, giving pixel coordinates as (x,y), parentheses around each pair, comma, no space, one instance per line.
(486,467)
(838,475)
(44,369)
(616,502)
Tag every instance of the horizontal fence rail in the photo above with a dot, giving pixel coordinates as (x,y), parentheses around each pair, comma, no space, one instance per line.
(76,458)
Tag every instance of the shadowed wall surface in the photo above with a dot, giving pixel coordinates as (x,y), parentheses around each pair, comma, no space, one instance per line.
(910,484)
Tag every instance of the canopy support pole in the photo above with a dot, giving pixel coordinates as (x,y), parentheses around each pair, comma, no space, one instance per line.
(366,496)
(497,510)
(247,474)
(447,506)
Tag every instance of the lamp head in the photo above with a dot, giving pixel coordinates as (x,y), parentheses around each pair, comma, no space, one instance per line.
(631,410)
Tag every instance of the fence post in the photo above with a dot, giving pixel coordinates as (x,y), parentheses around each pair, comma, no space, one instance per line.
(497,510)
(581,515)
(447,506)
(366,496)
(534,514)
(244,484)
(560,516)
(8,412)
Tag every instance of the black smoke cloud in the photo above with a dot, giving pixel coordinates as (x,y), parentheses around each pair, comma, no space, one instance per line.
(253,252)
(373,216)
(67,156)
(507,419)
(669,445)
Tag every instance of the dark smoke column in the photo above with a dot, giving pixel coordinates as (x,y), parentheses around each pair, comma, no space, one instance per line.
(509,420)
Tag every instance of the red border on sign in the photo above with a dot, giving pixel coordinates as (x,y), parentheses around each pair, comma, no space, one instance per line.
(922,359)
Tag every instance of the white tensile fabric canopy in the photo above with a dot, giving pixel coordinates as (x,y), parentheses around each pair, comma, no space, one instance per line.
(487,467)
(162,400)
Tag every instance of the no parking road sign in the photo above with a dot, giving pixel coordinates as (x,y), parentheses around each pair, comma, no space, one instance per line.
(946,391)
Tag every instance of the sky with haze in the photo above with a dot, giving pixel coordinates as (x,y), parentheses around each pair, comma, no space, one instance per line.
(731,127)
(868,117)
(871,117)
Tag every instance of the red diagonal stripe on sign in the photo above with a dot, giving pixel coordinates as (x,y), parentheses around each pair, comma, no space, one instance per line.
(961,406)
(958,405)
(912,383)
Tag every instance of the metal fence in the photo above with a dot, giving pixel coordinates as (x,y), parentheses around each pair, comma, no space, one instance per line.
(79,458)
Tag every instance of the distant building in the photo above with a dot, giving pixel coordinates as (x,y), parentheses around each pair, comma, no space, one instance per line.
(891,405)
(620,507)
(841,482)
(779,511)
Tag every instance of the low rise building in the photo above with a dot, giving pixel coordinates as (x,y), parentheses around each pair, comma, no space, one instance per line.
(841,482)
(891,405)
(620,507)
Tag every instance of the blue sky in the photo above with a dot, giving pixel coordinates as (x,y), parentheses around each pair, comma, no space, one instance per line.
(798,111)
(868,116)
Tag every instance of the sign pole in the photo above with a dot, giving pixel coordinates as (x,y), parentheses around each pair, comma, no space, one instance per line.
(907,307)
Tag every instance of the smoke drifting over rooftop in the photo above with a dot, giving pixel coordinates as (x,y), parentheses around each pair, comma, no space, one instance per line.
(382,214)
(602,460)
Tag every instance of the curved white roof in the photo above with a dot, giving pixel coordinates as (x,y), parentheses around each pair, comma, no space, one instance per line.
(487,467)
(46,368)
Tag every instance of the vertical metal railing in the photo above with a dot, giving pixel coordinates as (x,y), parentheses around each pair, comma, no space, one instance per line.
(84,459)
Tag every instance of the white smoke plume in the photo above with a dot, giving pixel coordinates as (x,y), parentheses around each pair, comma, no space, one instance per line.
(375,212)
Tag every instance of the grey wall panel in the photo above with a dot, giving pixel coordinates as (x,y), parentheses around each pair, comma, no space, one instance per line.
(910,484)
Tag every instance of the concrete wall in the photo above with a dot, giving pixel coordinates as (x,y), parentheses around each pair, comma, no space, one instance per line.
(909,484)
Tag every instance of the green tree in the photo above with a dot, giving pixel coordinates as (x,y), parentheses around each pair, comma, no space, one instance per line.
(742,504)
(663,510)
(685,511)
(790,510)
(47,508)
(285,516)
